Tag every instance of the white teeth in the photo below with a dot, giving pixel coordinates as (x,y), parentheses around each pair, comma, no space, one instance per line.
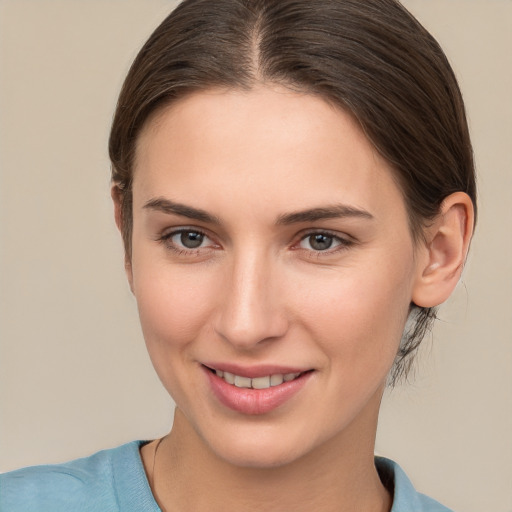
(242,382)
(258,382)
(275,380)
(229,378)
(261,382)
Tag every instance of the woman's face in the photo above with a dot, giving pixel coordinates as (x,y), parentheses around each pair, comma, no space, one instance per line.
(270,248)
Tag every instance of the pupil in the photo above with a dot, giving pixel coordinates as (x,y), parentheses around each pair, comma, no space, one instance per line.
(320,242)
(191,239)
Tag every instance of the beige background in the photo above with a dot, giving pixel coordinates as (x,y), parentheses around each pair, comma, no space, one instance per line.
(74,374)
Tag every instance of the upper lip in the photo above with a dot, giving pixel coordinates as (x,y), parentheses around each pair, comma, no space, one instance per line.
(252,372)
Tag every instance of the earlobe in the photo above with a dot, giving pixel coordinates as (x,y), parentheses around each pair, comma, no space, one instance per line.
(443,257)
(116,195)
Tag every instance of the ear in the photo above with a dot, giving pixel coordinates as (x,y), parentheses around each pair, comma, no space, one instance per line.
(117,198)
(442,259)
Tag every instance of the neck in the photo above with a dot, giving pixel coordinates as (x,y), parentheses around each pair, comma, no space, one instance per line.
(338,476)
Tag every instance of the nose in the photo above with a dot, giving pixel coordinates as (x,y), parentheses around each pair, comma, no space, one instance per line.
(251,310)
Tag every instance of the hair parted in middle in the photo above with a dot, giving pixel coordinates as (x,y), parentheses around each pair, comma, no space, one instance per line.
(371,58)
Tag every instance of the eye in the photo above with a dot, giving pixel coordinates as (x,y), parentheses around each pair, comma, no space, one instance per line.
(319,242)
(188,239)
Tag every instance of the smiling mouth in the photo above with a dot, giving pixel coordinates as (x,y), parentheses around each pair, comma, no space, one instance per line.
(259,390)
(263,382)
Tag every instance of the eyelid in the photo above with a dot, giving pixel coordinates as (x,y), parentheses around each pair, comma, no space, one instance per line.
(166,238)
(345,240)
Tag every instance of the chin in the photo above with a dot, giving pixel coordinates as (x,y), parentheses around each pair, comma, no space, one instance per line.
(255,456)
(259,446)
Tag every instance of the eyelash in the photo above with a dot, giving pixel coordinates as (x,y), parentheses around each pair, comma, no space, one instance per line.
(166,239)
(343,243)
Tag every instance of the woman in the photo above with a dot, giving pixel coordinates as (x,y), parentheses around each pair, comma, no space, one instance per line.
(294,182)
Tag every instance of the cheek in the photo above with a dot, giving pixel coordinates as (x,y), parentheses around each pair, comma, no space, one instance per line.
(174,302)
(358,316)
(174,307)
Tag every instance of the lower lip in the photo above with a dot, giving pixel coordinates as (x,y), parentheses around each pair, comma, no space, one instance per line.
(255,401)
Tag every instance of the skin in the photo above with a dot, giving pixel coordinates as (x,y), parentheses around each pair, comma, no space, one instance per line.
(258,292)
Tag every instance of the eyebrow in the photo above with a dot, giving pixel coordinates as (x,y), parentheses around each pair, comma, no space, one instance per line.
(330,212)
(170,207)
(310,215)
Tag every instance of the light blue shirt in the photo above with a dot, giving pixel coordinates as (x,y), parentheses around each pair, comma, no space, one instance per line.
(114,480)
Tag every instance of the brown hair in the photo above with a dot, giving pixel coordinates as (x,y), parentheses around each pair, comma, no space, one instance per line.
(371,57)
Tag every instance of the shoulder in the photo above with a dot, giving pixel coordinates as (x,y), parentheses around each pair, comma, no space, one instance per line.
(102,481)
(405,498)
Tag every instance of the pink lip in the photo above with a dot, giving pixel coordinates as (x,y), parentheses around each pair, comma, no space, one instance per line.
(254,401)
(254,371)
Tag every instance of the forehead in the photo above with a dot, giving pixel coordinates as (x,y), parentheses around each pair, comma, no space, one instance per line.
(292,149)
